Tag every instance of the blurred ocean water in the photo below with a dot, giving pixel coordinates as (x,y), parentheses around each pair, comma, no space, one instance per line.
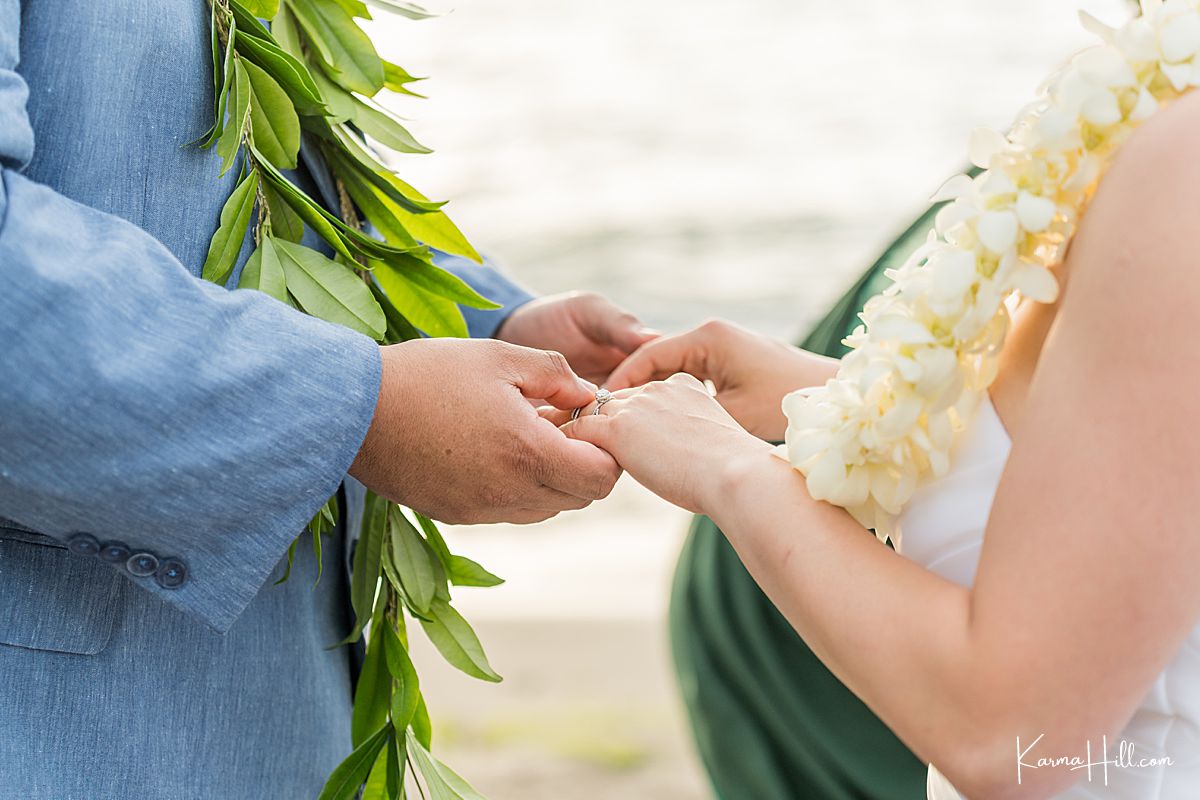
(703,158)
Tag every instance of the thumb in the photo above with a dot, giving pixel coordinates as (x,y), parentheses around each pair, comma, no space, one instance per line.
(546,375)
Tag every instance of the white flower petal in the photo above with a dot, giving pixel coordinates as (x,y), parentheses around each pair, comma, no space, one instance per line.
(900,329)
(997,230)
(953,214)
(1138,41)
(994,182)
(1033,212)
(1101,108)
(1146,105)
(953,273)
(1093,25)
(983,144)
(1037,283)
(954,188)
(1180,75)
(1105,66)
(1180,38)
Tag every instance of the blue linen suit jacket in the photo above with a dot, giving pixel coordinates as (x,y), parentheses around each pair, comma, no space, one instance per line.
(186,431)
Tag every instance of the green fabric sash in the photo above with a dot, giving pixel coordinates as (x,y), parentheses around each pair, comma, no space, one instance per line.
(771,722)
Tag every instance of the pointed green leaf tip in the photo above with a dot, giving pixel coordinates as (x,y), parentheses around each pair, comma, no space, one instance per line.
(329,290)
(226,243)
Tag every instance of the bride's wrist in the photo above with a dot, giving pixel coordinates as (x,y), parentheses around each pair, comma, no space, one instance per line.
(735,470)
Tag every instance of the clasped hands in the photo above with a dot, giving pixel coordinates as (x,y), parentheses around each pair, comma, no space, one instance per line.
(457,434)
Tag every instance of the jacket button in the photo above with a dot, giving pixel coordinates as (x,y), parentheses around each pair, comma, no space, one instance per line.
(114,552)
(142,565)
(172,573)
(83,544)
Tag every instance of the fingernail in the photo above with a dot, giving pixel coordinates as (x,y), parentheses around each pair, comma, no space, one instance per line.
(587,385)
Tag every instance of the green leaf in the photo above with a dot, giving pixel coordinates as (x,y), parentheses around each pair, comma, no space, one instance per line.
(443,783)
(373,692)
(285,223)
(436,230)
(399,329)
(355,8)
(373,205)
(421,727)
(431,313)
(329,290)
(406,691)
(379,174)
(432,278)
(273,121)
(397,79)
(465,572)
(220,78)
(395,769)
(347,54)
(261,8)
(264,272)
(419,216)
(247,21)
(410,10)
(458,644)
(364,575)
(384,128)
(376,787)
(316,538)
(291,555)
(227,242)
(307,209)
(343,784)
(286,33)
(412,560)
(239,113)
(435,538)
(288,71)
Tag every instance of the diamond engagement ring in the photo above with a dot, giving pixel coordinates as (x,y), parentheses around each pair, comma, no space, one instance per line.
(602,397)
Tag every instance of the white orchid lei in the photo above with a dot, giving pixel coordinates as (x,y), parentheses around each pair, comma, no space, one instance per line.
(928,345)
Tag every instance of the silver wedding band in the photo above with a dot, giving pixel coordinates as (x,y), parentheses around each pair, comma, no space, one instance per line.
(602,397)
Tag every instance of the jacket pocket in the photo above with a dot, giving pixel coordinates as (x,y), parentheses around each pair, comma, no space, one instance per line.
(51,599)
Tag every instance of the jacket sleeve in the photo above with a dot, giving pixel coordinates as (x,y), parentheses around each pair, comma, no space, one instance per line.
(489,281)
(179,431)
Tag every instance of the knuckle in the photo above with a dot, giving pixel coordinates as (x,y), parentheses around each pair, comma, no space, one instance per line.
(714,327)
(556,362)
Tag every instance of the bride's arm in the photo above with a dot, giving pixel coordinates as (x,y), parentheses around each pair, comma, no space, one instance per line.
(1086,585)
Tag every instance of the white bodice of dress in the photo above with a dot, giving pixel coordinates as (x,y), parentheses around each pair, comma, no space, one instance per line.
(942,529)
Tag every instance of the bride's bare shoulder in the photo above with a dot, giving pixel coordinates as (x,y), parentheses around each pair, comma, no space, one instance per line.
(1139,240)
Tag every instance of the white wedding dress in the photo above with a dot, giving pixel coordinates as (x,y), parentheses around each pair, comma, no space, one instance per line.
(942,529)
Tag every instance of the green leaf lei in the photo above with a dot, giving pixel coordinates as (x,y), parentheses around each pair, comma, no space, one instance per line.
(310,77)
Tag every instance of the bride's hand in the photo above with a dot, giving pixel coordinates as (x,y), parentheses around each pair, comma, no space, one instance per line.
(752,373)
(673,437)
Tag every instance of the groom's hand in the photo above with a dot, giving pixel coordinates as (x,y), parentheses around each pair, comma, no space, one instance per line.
(590,331)
(455,438)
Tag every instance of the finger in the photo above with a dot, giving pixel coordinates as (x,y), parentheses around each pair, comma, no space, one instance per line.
(574,467)
(684,379)
(555,416)
(659,359)
(605,323)
(546,375)
(594,429)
